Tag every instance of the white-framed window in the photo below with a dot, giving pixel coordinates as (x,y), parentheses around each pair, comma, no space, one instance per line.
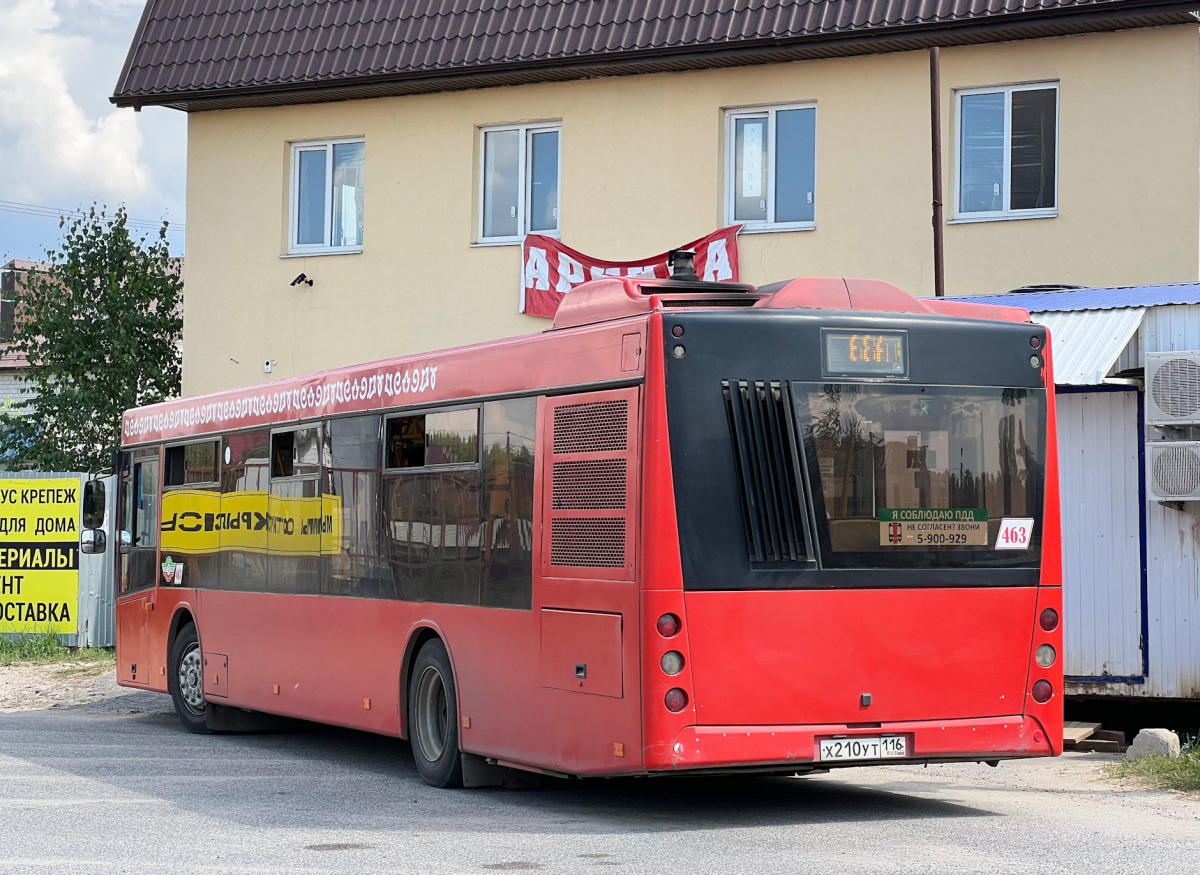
(326,197)
(771,168)
(1007,156)
(521,175)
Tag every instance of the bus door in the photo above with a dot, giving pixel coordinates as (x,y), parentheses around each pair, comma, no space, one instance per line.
(138,570)
(587,598)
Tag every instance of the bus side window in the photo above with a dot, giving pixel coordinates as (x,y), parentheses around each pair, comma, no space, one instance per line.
(356,566)
(191,464)
(404,442)
(139,567)
(431,506)
(509,428)
(294,508)
(282,454)
(190,496)
(296,453)
(244,492)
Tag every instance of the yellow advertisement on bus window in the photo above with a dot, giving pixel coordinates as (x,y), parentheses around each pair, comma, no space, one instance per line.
(196,522)
(39,555)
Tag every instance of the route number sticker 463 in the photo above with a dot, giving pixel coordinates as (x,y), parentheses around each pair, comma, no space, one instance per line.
(1014,534)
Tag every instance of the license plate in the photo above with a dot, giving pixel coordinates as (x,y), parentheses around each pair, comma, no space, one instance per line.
(887,747)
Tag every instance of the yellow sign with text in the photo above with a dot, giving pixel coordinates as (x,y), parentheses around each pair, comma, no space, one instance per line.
(196,522)
(39,555)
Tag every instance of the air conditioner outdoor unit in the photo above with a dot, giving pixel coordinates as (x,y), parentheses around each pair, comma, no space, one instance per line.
(1173,470)
(1173,388)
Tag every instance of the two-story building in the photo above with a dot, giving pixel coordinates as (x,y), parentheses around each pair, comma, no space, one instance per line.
(396,152)
(14,391)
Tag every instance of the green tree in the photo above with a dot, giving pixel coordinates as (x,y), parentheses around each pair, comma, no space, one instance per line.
(100,329)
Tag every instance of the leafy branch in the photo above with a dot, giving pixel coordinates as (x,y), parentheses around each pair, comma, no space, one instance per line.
(100,328)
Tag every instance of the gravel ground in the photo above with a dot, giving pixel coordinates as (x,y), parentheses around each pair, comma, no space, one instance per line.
(117,786)
(58,685)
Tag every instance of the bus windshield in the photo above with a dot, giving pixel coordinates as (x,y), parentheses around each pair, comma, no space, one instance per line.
(924,476)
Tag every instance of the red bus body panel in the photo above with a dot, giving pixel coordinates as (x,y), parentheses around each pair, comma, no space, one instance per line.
(805,656)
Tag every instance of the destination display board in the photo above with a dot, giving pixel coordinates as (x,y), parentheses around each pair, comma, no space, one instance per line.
(865,354)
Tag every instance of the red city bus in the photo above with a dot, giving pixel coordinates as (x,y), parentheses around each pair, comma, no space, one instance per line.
(692,527)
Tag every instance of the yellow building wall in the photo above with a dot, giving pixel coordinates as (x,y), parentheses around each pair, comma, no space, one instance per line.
(1129,163)
(643,171)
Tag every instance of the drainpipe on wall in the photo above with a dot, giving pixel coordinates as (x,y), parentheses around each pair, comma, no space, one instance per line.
(935,120)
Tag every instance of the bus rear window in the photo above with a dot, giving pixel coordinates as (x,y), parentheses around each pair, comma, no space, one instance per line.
(924,476)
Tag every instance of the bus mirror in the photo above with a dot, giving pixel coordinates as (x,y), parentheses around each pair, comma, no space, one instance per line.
(126,542)
(93,506)
(92,541)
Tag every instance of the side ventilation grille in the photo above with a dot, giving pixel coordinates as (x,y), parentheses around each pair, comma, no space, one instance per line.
(598,427)
(591,475)
(765,444)
(588,543)
(599,483)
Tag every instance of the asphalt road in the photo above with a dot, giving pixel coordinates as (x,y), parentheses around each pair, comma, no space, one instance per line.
(118,786)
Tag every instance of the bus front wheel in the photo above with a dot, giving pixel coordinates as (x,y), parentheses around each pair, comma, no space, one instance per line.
(433,717)
(186,681)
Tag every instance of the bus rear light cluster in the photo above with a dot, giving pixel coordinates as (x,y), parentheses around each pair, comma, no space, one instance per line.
(672,662)
(1045,656)
(1042,691)
(675,700)
(1048,620)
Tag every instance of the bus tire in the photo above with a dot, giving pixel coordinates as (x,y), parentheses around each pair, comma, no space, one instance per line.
(433,717)
(185,680)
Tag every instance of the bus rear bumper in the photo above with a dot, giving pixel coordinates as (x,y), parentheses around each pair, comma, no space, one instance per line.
(985,738)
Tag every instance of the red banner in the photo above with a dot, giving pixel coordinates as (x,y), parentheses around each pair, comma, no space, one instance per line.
(552,270)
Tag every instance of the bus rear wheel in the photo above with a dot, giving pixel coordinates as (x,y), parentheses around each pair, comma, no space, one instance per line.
(433,717)
(185,680)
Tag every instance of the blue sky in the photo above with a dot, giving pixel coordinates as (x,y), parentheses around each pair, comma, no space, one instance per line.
(62,144)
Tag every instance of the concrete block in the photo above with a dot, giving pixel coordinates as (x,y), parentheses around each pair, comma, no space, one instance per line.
(1153,741)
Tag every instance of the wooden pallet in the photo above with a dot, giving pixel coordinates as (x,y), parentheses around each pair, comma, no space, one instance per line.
(1075,732)
(1090,738)
(1104,741)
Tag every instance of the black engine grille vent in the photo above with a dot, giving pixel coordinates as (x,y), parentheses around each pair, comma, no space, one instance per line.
(765,444)
(709,302)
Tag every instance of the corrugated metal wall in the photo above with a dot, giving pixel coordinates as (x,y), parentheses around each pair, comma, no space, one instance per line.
(1169,329)
(97,595)
(1173,599)
(1173,543)
(1098,459)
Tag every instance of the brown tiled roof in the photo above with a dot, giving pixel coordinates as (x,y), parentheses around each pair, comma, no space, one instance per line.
(199,54)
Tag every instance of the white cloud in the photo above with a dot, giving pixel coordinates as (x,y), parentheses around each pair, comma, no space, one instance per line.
(62,143)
